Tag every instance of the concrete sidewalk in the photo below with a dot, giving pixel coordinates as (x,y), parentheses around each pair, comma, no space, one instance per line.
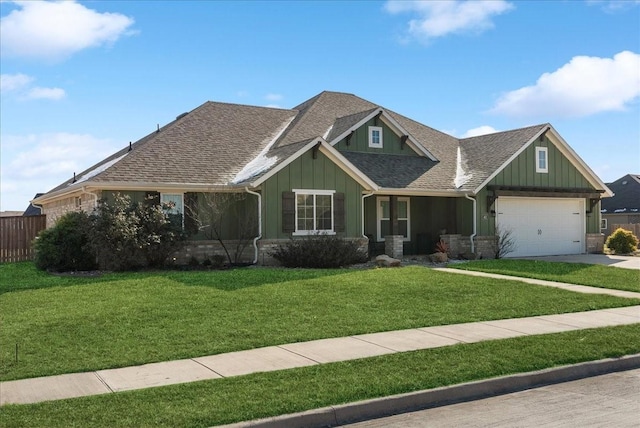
(301,354)
(585,289)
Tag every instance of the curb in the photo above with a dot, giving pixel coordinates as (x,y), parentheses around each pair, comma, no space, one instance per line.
(386,406)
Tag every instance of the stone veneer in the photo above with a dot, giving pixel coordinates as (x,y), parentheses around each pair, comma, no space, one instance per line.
(201,250)
(394,246)
(595,242)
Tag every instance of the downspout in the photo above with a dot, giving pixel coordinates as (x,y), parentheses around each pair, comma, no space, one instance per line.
(475,220)
(95,200)
(362,212)
(255,240)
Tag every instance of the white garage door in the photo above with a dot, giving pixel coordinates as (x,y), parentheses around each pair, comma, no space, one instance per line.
(543,226)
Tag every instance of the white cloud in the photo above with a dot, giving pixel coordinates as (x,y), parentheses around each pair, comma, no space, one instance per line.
(55,30)
(21,85)
(480,130)
(39,162)
(273,97)
(584,86)
(14,82)
(46,93)
(613,6)
(438,18)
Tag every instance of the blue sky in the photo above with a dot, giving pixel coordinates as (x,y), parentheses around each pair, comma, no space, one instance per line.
(82,79)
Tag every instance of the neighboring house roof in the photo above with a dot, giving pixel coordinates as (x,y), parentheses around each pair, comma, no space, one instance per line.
(33,210)
(221,145)
(626,197)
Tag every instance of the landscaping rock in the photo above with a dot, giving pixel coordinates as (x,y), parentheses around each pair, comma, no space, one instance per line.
(386,261)
(438,257)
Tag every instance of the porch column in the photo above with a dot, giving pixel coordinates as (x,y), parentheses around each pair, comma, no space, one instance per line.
(393,215)
(394,242)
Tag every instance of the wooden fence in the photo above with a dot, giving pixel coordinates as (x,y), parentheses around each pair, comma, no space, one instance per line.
(635,228)
(17,235)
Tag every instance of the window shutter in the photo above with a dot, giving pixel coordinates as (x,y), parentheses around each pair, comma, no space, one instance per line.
(338,212)
(288,212)
(191,213)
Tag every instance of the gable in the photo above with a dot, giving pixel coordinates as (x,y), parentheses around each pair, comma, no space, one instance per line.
(561,171)
(358,141)
(307,172)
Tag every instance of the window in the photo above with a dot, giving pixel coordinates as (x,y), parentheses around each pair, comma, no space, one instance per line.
(542,161)
(375,136)
(314,211)
(603,223)
(384,218)
(172,203)
(78,201)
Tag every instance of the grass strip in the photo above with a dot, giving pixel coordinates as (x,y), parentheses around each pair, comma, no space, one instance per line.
(571,273)
(229,400)
(147,317)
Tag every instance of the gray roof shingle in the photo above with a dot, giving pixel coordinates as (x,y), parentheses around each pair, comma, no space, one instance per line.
(211,144)
(627,195)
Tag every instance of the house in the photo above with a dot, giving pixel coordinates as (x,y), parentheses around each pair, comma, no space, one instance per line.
(339,164)
(624,206)
(33,210)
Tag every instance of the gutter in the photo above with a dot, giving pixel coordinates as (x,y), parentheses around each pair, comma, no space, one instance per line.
(255,240)
(362,212)
(475,220)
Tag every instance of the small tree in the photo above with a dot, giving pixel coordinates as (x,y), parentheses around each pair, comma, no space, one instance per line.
(159,234)
(127,236)
(218,213)
(65,246)
(622,241)
(114,235)
(504,243)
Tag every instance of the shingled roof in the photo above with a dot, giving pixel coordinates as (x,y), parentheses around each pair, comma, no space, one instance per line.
(626,197)
(221,144)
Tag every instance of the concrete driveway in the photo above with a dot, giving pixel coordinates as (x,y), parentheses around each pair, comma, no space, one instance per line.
(627,262)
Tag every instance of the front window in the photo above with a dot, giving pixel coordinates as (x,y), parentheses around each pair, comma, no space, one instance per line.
(542,161)
(384,218)
(172,203)
(375,136)
(314,211)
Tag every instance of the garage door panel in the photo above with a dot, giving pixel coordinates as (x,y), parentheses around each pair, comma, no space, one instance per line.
(543,226)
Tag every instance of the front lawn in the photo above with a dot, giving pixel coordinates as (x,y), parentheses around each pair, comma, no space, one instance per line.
(572,273)
(221,401)
(84,324)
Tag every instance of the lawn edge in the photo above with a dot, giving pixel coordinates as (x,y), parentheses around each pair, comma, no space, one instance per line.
(443,396)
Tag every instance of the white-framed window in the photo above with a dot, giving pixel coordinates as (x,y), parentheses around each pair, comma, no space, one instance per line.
(542,159)
(173,203)
(314,211)
(384,218)
(603,223)
(375,137)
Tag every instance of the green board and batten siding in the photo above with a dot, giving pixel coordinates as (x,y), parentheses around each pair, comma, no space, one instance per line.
(308,173)
(522,172)
(359,142)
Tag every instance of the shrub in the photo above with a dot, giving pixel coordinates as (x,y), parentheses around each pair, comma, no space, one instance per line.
(65,246)
(127,236)
(622,241)
(319,251)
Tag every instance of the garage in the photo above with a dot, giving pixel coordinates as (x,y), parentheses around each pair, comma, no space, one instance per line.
(543,226)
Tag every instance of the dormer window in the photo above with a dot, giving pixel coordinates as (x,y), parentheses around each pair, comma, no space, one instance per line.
(375,137)
(542,160)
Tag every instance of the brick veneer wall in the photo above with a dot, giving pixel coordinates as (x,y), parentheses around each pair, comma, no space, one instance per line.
(57,209)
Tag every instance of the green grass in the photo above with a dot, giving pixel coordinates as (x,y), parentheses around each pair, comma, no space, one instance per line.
(119,320)
(572,273)
(229,400)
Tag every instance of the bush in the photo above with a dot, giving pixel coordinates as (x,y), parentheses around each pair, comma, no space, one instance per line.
(622,241)
(65,246)
(127,236)
(319,251)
